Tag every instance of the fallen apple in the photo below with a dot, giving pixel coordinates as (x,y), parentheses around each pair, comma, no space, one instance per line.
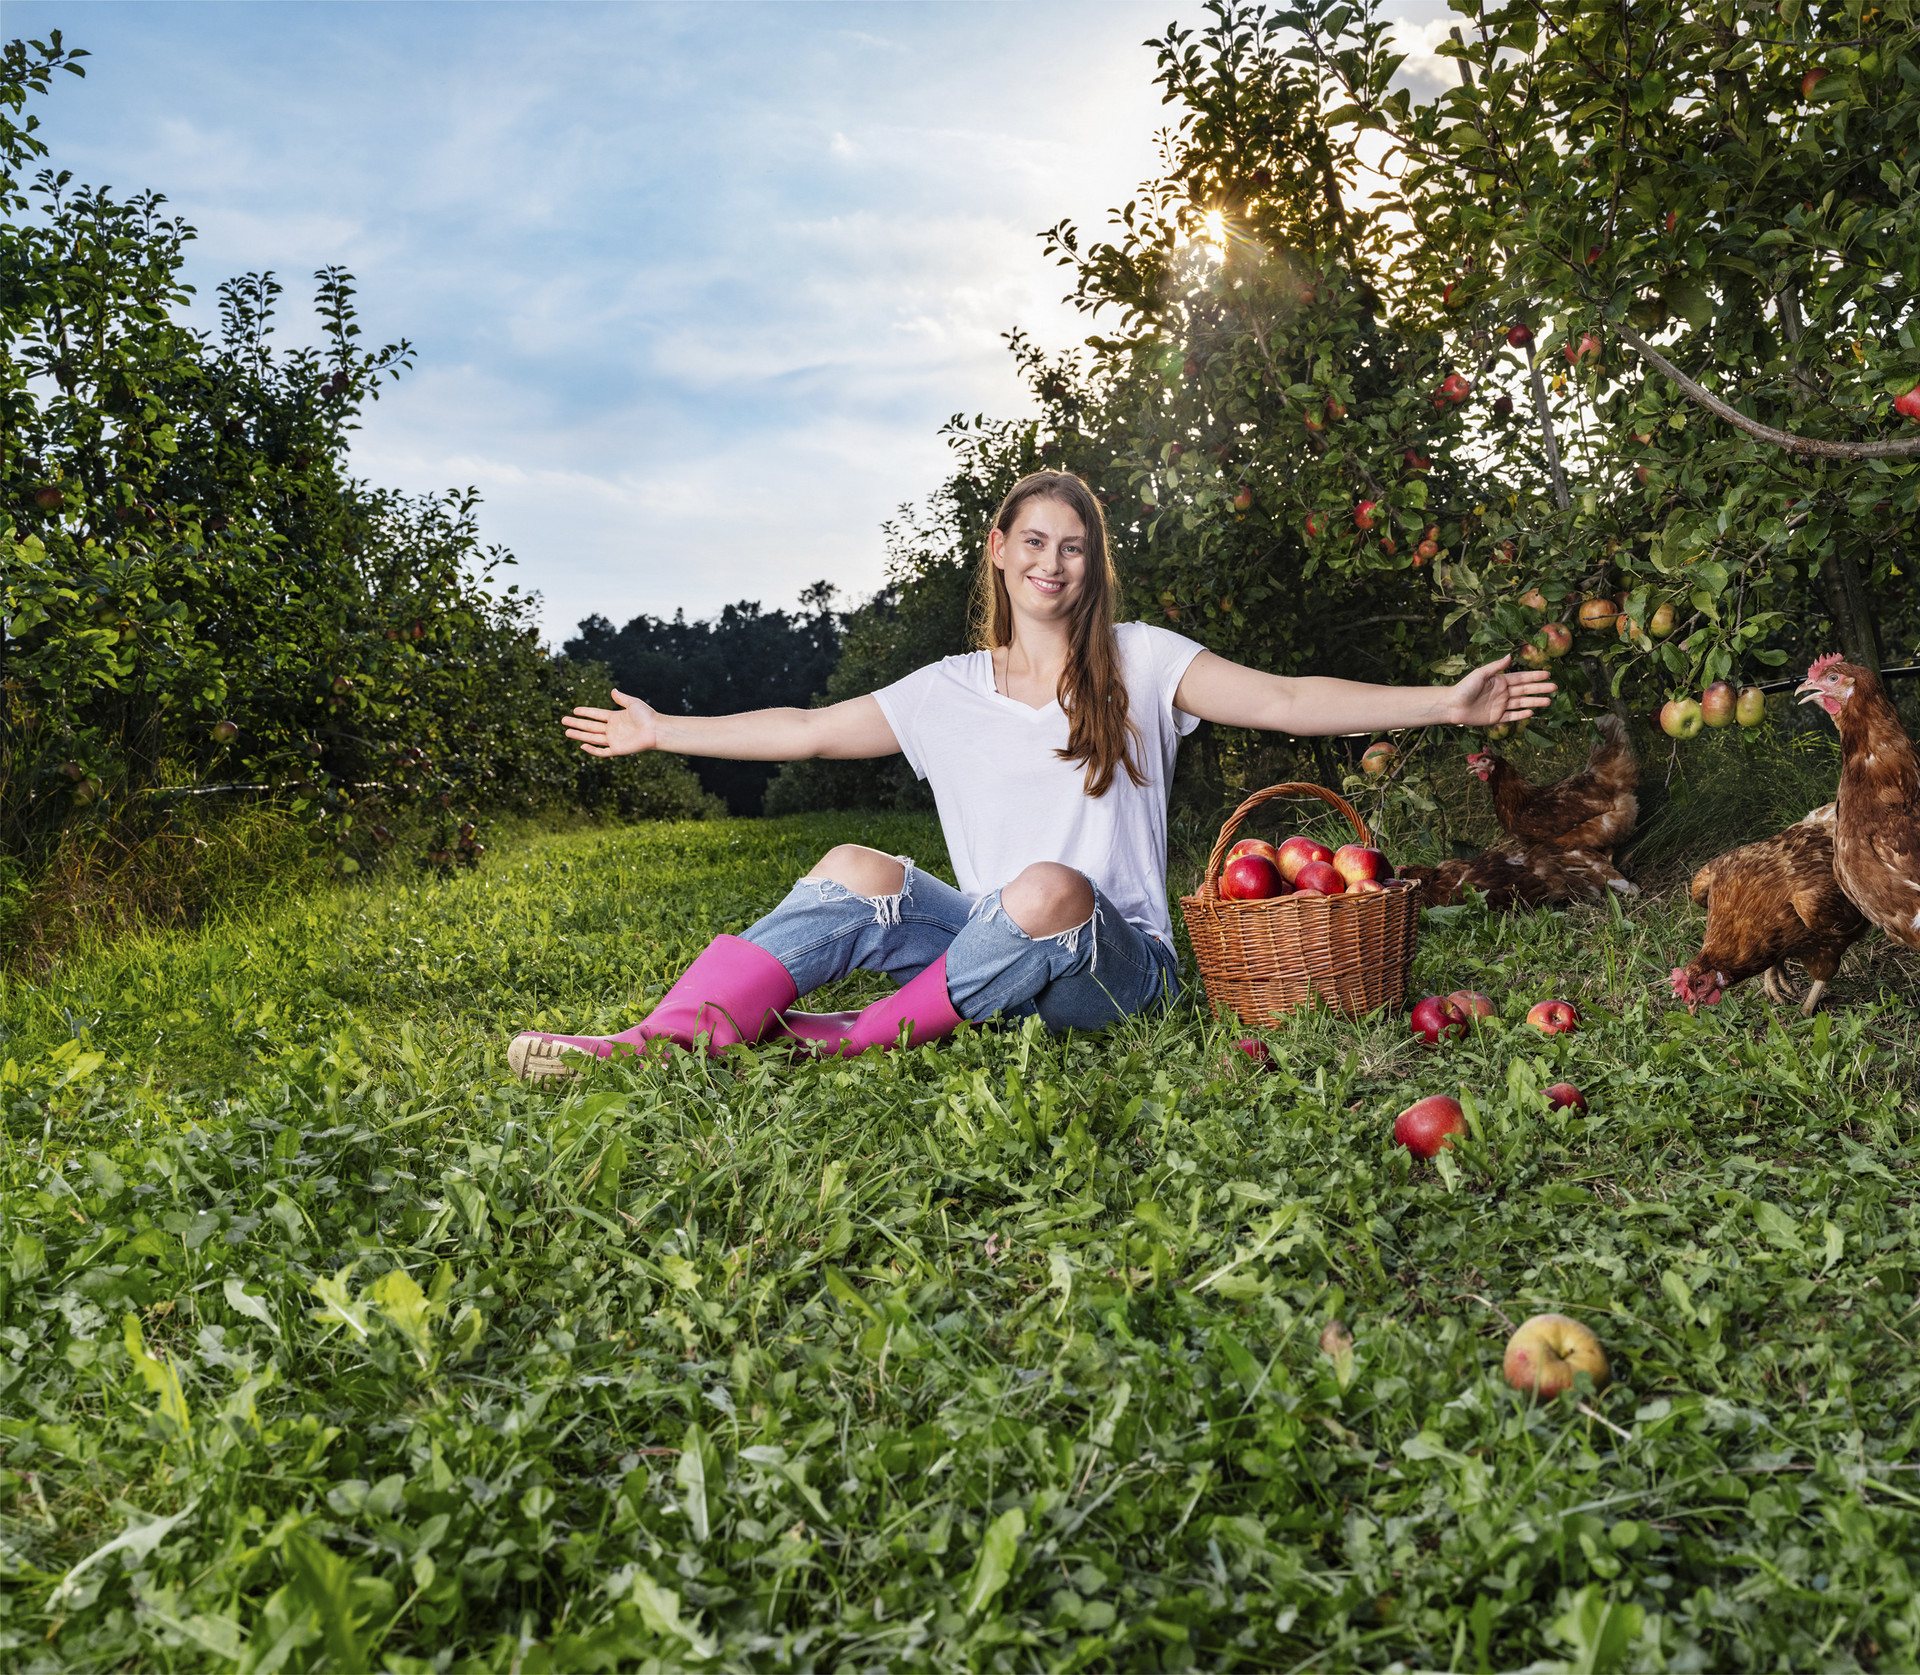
(1546,1353)
(1298,852)
(1751,708)
(1436,1019)
(1471,1003)
(1378,758)
(1251,878)
(1554,1017)
(1257,1051)
(1355,861)
(1564,1096)
(1428,1124)
(1717,704)
(1318,878)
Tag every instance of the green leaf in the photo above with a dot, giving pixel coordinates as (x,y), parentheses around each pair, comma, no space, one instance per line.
(997,1554)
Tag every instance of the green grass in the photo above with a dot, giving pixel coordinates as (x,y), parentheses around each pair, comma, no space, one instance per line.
(324,1346)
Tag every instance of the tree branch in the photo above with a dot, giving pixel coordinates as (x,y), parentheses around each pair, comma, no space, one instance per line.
(1701,396)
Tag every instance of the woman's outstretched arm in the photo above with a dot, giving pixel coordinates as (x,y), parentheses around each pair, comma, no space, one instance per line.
(840,732)
(1236,696)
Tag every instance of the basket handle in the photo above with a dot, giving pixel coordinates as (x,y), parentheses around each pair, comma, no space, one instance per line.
(1210,885)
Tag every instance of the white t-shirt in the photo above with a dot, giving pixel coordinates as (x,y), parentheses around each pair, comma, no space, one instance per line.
(1006,801)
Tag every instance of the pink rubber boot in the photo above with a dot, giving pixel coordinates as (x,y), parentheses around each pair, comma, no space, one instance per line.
(734,992)
(922,1002)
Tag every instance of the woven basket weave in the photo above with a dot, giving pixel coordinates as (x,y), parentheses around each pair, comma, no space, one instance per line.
(1264,959)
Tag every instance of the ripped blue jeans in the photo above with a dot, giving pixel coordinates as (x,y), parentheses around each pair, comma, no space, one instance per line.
(1086,978)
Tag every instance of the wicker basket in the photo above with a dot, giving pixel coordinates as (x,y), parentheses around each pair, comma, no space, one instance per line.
(1263,959)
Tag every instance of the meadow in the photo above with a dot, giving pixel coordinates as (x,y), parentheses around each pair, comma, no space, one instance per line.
(329,1347)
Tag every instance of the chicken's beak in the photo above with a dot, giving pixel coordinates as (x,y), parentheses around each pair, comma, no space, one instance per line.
(1808,692)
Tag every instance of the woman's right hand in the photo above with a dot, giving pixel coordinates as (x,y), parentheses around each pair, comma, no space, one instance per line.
(632,727)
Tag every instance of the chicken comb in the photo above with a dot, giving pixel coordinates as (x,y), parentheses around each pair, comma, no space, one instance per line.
(1822,664)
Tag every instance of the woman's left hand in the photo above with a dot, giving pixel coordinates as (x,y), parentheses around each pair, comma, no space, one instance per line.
(1495,693)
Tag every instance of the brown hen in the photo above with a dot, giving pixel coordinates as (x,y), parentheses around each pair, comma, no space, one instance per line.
(1592,810)
(1876,842)
(1767,903)
(1526,875)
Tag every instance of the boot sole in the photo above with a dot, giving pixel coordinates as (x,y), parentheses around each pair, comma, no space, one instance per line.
(534,1060)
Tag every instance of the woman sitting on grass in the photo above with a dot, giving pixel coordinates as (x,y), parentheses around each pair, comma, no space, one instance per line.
(1050,751)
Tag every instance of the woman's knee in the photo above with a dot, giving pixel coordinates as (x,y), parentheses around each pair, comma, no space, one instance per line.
(864,871)
(1047,899)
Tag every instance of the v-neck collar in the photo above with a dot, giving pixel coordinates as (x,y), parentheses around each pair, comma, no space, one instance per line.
(1051,706)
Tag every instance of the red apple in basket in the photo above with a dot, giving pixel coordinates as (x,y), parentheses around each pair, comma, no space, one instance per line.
(1428,1124)
(1298,852)
(1317,878)
(1251,878)
(1367,887)
(1254,846)
(1355,861)
(1437,1019)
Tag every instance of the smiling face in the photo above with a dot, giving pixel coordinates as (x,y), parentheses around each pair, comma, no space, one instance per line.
(1042,558)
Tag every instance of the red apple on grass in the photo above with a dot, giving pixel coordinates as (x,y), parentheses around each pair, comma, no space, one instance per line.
(1564,1096)
(1436,1019)
(1428,1124)
(1251,878)
(1471,1003)
(1318,878)
(1555,1017)
(1355,861)
(1545,1353)
(1680,718)
(1256,1051)
(1717,704)
(1298,852)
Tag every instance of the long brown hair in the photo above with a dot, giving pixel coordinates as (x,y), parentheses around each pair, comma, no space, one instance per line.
(1100,732)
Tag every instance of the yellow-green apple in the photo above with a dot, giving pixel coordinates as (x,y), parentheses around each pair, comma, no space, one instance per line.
(1251,878)
(1563,1096)
(1298,852)
(1660,624)
(1717,704)
(1436,1019)
(1378,758)
(1318,878)
(1554,1017)
(1680,718)
(1751,706)
(225,732)
(1355,861)
(1545,1353)
(1428,1124)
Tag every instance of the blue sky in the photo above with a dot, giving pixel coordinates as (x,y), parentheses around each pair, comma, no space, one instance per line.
(692,287)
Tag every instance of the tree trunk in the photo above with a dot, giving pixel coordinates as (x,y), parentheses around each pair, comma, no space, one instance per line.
(1852,610)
